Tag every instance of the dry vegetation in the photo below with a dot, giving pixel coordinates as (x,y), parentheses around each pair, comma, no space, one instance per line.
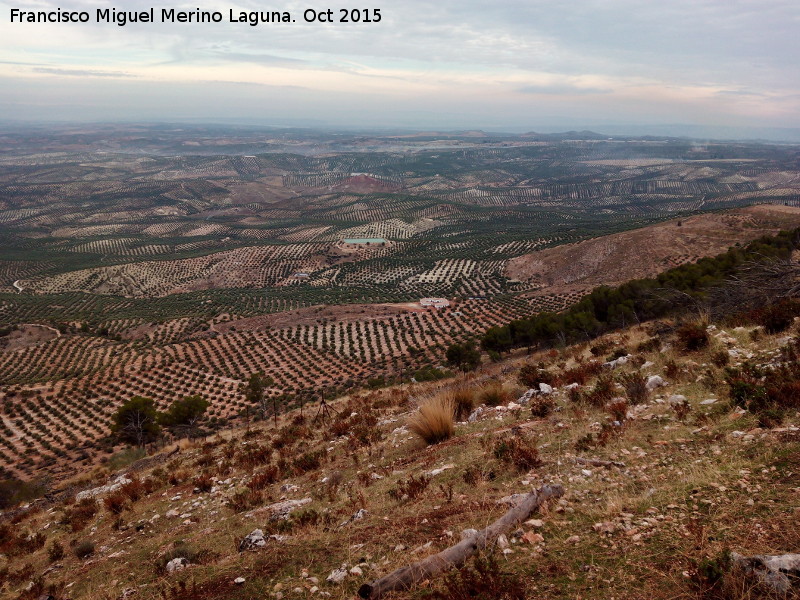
(660,482)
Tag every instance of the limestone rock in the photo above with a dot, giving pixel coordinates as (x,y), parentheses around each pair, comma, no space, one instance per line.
(337,575)
(177,564)
(780,573)
(526,397)
(252,541)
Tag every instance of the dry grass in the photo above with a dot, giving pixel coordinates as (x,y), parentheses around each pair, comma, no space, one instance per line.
(494,394)
(463,402)
(433,421)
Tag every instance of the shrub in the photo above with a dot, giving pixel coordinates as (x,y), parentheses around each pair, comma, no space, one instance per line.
(433,421)
(410,488)
(180,549)
(204,482)
(463,403)
(494,394)
(720,358)
(649,345)
(14,491)
(310,461)
(779,316)
(484,581)
(263,478)
(575,395)
(580,374)
(84,549)
(55,551)
(79,515)
(134,489)
(602,392)
(635,385)
(253,456)
(542,405)
(245,499)
(531,376)
(710,572)
(519,451)
(682,409)
(618,410)
(115,502)
(672,370)
(692,336)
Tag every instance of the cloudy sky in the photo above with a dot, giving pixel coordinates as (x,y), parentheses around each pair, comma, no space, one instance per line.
(506,65)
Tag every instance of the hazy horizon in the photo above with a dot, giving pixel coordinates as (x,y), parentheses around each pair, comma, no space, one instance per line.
(616,67)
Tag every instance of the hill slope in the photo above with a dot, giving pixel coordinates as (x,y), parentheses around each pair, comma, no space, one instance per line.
(656,482)
(645,252)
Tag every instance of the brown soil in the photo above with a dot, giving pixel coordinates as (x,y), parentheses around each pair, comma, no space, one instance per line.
(27,335)
(645,252)
(316,314)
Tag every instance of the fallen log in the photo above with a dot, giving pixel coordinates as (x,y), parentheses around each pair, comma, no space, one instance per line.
(455,556)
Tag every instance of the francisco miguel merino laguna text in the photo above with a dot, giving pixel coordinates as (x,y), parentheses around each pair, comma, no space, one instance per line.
(170,15)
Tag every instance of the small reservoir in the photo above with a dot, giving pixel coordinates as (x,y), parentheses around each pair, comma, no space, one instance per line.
(364,241)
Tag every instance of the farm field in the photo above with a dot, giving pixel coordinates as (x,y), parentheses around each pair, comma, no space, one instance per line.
(170,261)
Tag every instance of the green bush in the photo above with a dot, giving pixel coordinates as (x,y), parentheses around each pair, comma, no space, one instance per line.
(84,549)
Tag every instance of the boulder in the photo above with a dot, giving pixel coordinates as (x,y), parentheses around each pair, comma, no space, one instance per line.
(780,573)
(475,414)
(177,564)
(252,541)
(103,489)
(654,381)
(545,388)
(526,397)
(618,362)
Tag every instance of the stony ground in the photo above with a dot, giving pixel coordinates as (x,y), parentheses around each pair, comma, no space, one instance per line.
(652,489)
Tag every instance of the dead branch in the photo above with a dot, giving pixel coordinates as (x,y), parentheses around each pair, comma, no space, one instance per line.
(455,556)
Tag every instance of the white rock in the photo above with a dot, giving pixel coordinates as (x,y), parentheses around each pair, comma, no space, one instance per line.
(526,397)
(253,540)
(655,381)
(337,575)
(239,580)
(473,416)
(709,401)
(177,564)
(440,470)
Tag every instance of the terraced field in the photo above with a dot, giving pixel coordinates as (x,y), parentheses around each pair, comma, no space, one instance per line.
(149,261)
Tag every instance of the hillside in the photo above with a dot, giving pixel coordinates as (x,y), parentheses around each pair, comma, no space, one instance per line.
(645,252)
(659,479)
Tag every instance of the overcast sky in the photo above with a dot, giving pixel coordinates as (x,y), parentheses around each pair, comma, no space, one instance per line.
(507,64)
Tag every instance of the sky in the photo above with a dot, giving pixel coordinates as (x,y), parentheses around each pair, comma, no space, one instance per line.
(507,65)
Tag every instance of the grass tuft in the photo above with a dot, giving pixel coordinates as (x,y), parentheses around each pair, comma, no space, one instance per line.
(433,421)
